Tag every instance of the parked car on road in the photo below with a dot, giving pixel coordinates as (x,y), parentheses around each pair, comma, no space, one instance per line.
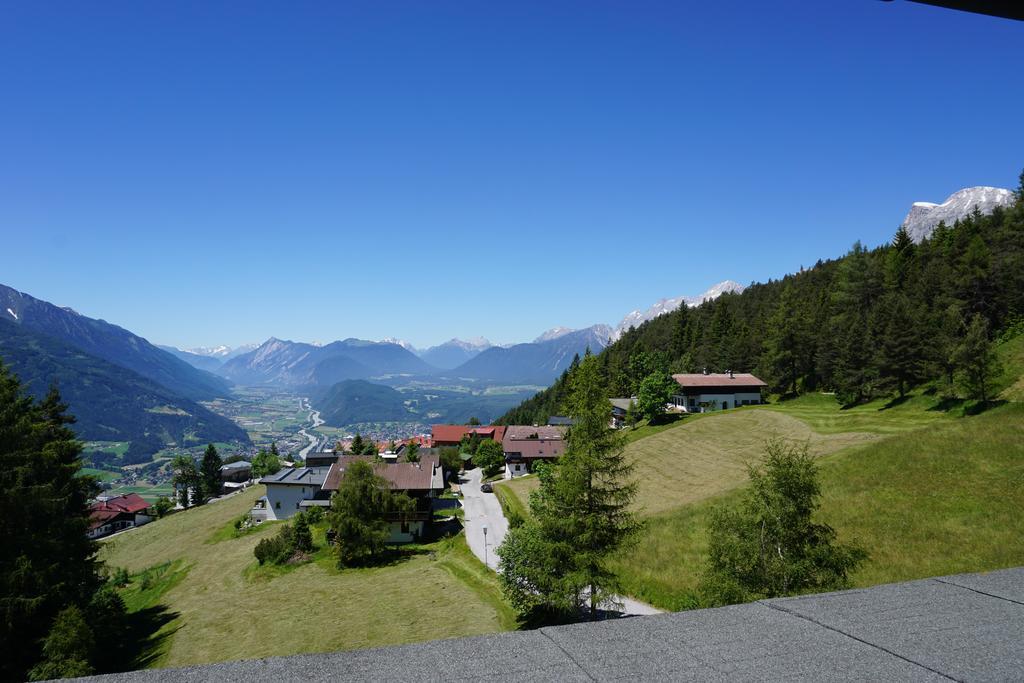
(486,487)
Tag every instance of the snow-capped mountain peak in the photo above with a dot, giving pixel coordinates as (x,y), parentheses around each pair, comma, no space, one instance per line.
(401,342)
(925,216)
(553,333)
(636,318)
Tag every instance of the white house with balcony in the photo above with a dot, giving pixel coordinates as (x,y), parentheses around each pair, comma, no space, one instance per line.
(290,490)
(707,391)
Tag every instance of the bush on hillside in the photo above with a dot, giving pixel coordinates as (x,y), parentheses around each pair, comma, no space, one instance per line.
(769,546)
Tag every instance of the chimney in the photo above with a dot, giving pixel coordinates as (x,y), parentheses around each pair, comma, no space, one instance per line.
(731,376)
(705,371)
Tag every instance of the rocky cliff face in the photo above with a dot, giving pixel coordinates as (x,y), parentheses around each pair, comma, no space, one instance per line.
(924,216)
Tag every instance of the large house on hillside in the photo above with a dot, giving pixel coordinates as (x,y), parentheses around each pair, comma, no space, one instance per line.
(422,481)
(442,436)
(703,392)
(288,491)
(525,446)
(110,515)
(295,489)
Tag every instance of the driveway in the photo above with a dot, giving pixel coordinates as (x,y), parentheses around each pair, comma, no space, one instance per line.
(480,509)
(483,508)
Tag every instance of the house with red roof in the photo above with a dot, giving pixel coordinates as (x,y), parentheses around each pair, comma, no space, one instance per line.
(442,436)
(706,391)
(110,515)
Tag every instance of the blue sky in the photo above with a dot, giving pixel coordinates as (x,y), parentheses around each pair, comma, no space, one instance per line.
(206,173)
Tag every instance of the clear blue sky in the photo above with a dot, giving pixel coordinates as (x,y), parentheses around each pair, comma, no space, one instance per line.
(206,173)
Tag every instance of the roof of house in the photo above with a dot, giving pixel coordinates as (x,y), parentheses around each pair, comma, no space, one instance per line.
(528,449)
(527,432)
(425,475)
(621,403)
(454,433)
(297,476)
(131,502)
(237,465)
(720,379)
(102,511)
(560,421)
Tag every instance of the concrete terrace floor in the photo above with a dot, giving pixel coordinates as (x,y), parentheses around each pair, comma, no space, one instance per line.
(968,627)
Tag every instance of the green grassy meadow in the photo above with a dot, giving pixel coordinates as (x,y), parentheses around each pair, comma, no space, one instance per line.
(225,607)
(925,490)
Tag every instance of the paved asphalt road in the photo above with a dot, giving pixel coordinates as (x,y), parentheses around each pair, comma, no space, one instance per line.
(955,628)
(484,508)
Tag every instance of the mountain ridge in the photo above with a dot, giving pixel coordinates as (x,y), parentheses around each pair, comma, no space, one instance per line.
(924,217)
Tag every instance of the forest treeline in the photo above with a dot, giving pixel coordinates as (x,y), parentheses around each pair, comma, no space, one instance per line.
(873,322)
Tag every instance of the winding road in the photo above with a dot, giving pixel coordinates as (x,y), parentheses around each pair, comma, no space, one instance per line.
(484,509)
(314,418)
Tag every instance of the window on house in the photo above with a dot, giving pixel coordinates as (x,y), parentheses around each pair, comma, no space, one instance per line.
(277,505)
(405,527)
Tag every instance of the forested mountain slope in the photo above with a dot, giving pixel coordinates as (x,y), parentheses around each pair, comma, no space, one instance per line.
(873,322)
(111,343)
(110,403)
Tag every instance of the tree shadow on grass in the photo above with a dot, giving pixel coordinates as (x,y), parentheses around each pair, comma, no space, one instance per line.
(897,401)
(979,407)
(947,404)
(145,638)
(665,419)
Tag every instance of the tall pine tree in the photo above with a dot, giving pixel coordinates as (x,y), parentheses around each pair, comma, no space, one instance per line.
(47,563)
(580,515)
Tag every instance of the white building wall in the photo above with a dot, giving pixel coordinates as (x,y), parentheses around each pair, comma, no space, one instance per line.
(714,401)
(283,499)
(513,470)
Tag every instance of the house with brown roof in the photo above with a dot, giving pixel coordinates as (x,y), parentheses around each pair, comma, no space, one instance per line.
(422,481)
(442,436)
(703,392)
(525,446)
(110,515)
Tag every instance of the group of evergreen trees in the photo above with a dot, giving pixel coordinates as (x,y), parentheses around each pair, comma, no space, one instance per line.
(874,322)
(196,485)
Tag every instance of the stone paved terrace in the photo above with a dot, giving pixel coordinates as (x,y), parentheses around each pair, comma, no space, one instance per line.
(968,627)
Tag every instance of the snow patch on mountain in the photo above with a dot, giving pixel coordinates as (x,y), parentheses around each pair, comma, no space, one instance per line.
(925,216)
(637,318)
(401,342)
(553,333)
(13,313)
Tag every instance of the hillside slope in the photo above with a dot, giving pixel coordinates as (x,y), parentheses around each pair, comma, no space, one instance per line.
(111,343)
(223,609)
(110,403)
(926,502)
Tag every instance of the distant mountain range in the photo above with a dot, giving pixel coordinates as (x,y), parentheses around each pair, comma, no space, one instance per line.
(118,386)
(298,364)
(538,362)
(111,343)
(924,217)
(454,352)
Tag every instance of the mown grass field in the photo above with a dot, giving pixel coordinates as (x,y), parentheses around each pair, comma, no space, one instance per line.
(225,609)
(936,501)
(702,456)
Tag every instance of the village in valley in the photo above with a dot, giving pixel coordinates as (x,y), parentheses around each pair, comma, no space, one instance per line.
(437,472)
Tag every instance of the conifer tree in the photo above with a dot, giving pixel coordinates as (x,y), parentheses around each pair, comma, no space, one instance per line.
(210,472)
(67,648)
(901,351)
(357,445)
(47,562)
(557,561)
(976,357)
